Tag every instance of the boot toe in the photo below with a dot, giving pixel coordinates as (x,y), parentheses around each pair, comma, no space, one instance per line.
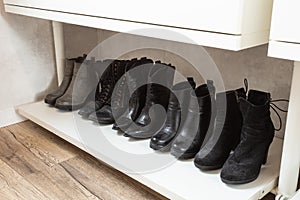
(93,117)
(51,99)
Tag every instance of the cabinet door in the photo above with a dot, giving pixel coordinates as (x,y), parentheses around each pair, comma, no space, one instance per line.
(286,21)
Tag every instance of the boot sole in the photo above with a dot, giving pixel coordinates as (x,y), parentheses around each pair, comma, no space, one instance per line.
(206,167)
(230,182)
(52,103)
(68,107)
(161,147)
(183,156)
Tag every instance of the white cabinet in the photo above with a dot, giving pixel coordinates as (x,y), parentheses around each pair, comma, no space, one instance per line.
(285,43)
(231,24)
(285,30)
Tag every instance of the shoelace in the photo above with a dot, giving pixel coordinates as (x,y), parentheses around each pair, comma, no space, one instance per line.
(272,105)
(275,108)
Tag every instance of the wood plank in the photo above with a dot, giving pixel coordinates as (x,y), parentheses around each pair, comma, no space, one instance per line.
(43,144)
(53,181)
(14,186)
(105,182)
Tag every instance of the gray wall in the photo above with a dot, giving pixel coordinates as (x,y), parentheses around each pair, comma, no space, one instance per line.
(263,73)
(27,67)
(26,64)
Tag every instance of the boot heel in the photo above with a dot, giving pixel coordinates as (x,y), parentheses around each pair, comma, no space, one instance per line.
(265,157)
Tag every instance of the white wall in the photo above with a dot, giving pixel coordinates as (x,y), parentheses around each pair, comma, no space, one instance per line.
(26,63)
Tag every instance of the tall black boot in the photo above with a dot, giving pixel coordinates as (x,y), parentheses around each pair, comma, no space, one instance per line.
(117,70)
(177,110)
(226,132)
(243,166)
(161,80)
(68,73)
(106,81)
(137,82)
(120,96)
(195,127)
(80,88)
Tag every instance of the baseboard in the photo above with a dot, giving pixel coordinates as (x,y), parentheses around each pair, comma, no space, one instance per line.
(10,116)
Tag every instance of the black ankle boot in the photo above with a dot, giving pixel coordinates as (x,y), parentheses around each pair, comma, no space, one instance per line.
(68,73)
(177,110)
(226,132)
(134,78)
(120,96)
(243,166)
(81,86)
(161,80)
(106,81)
(195,127)
(104,114)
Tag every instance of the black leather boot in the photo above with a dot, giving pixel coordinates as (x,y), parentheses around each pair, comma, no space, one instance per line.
(120,96)
(135,78)
(103,96)
(195,127)
(161,80)
(68,73)
(226,132)
(82,84)
(177,110)
(117,70)
(243,166)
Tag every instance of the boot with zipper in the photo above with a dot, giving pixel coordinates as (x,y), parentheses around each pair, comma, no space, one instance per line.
(68,73)
(81,86)
(243,166)
(177,110)
(137,82)
(196,125)
(160,80)
(226,132)
(103,96)
(107,87)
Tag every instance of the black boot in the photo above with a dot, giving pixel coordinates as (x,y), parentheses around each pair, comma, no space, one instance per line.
(195,127)
(81,86)
(68,73)
(117,70)
(106,81)
(137,82)
(226,132)
(243,166)
(120,96)
(161,80)
(177,110)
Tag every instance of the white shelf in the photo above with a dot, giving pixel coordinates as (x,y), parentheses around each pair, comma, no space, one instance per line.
(231,24)
(178,180)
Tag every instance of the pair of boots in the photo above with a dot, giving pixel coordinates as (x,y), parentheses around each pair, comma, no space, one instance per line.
(98,109)
(245,127)
(73,92)
(113,89)
(149,87)
(188,119)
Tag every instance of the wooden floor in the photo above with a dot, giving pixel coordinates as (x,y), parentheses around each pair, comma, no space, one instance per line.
(36,164)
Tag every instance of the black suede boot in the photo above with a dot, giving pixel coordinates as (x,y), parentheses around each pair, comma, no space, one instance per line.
(117,70)
(106,81)
(195,127)
(226,132)
(80,88)
(177,110)
(68,73)
(243,166)
(120,95)
(161,80)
